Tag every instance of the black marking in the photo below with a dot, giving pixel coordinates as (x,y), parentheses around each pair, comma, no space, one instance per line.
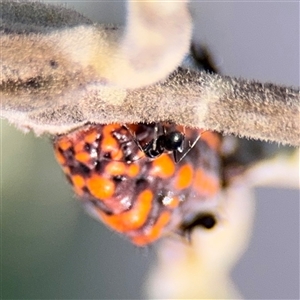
(205,220)
(119,178)
(107,156)
(99,204)
(61,151)
(87,147)
(202,58)
(82,169)
(34,82)
(86,190)
(53,64)
(68,154)
(141,184)
(128,147)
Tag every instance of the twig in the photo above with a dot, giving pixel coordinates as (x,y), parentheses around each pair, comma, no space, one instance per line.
(51,82)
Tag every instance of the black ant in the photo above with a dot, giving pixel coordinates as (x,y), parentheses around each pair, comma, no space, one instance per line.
(164,138)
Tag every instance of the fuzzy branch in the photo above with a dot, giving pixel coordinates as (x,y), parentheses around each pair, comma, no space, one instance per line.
(57,76)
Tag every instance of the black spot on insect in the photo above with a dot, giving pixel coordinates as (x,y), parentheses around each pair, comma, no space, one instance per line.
(107,156)
(87,147)
(99,166)
(140,185)
(68,154)
(118,178)
(83,169)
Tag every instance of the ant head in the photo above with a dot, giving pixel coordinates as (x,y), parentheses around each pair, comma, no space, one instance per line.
(173,140)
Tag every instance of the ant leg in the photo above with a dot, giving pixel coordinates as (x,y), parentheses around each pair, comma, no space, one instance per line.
(189,148)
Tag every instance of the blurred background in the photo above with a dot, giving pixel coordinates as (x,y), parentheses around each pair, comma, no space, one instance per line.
(51,249)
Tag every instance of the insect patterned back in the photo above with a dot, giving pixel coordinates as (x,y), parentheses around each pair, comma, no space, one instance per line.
(140,197)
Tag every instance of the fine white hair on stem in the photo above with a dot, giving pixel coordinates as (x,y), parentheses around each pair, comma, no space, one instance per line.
(59,71)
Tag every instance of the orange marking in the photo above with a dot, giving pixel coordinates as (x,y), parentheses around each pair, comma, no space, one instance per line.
(133,170)
(163,166)
(115,168)
(59,157)
(132,127)
(117,155)
(78,183)
(108,129)
(64,143)
(133,218)
(155,231)
(91,136)
(184,177)
(79,146)
(109,144)
(212,139)
(206,184)
(101,187)
(83,157)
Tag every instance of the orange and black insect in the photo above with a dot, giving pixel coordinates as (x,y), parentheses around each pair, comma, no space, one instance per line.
(139,196)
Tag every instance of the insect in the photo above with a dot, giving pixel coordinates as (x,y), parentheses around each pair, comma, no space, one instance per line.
(163,137)
(141,196)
